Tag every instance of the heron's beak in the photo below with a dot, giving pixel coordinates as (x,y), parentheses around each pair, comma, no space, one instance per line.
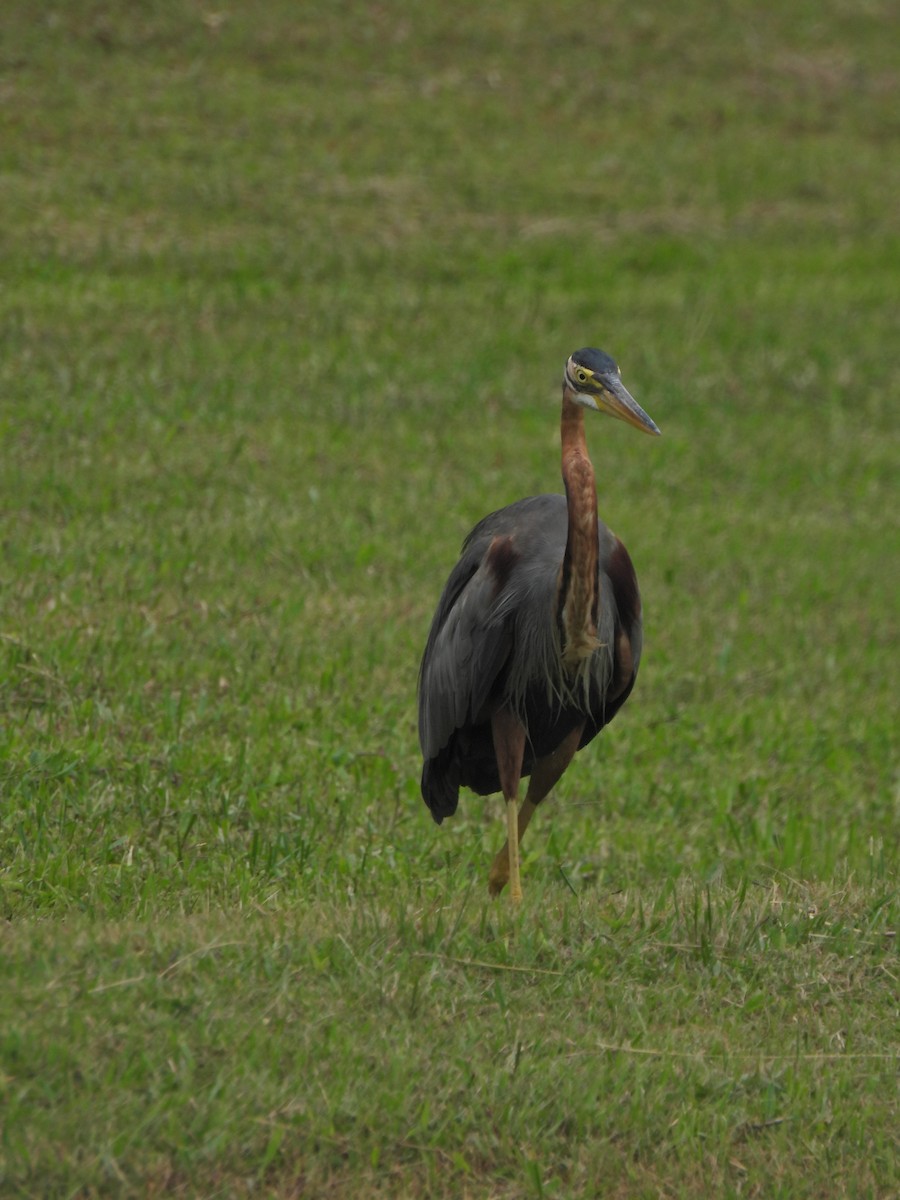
(615,399)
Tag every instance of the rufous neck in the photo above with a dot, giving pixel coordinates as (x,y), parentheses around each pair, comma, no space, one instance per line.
(578,588)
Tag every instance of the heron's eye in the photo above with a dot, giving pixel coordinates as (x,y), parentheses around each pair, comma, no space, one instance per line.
(581,376)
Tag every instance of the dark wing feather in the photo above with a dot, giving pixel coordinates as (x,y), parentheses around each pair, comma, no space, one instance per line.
(622,615)
(473,632)
(466,650)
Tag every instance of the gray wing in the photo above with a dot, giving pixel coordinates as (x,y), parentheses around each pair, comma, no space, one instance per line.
(467,646)
(508,560)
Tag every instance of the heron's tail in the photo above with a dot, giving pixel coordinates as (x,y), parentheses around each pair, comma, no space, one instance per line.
(440,784)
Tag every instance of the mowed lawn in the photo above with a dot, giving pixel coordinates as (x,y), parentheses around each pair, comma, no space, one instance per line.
(285,298)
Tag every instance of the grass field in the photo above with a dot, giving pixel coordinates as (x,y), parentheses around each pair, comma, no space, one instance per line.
(284,304)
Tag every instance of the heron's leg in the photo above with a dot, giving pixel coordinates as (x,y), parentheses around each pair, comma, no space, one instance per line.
(509,747)
(546,774)
(500,868)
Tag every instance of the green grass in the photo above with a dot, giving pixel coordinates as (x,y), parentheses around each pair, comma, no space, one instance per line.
(284,304)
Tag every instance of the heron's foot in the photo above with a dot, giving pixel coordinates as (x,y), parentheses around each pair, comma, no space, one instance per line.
(499,873)
(498,877)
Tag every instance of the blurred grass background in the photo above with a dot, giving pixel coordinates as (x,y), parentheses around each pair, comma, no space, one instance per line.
(285,300)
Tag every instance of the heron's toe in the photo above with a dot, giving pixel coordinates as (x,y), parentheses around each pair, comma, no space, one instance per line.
(499,873)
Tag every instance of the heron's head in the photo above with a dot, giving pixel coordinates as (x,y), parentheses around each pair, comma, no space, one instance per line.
(593,380)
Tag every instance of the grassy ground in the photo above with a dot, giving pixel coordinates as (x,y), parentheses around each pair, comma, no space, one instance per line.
(284,303)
